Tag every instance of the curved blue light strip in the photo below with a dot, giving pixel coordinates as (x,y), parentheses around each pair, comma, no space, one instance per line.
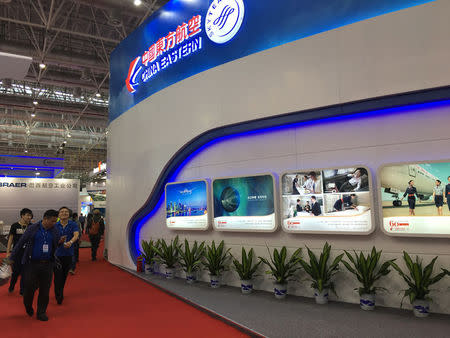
(394,104)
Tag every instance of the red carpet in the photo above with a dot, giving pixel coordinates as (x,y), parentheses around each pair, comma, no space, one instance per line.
(104,301)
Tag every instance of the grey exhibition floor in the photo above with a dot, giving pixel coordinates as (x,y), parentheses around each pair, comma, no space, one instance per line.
(301,317)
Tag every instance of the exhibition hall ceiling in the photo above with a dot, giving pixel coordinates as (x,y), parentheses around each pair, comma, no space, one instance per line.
(58,106)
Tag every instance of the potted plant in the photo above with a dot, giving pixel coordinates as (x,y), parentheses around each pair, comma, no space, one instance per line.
(168,255)
(149,254)
(191,259)
(246,270)
(419,280)
(367,270)
(321,273)
(282,268)
(216,262)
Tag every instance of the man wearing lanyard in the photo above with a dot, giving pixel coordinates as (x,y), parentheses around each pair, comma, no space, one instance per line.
(41,240)
(69,230)
(447,193)
(15,233)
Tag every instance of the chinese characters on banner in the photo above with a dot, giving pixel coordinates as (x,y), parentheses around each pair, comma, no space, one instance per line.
(172,48)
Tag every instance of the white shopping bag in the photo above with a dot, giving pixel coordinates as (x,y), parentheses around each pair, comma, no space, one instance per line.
(5,273)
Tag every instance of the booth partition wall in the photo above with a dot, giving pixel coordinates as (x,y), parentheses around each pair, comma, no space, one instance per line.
(360,89)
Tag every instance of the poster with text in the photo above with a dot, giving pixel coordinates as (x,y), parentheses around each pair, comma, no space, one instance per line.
(244,203)
(327,201)
(415,199)
(187,205)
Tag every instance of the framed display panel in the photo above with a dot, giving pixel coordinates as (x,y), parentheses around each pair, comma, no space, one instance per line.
(413,202)
(244,203)
(187,205)
(327,201)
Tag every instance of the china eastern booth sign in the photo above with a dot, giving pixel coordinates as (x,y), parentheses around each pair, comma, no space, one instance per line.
(186,37)
(220,24)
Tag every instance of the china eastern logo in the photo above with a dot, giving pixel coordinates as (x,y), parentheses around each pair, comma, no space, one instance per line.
(223,20)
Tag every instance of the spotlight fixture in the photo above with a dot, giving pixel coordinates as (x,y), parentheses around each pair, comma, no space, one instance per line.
(69,136)
(37,174)
(35,102)
(137,2)
(33,114)
(42,65)
(65,142)
(26,150)
(98,94)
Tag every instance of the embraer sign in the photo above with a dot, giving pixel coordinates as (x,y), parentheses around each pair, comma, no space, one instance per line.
(12,185)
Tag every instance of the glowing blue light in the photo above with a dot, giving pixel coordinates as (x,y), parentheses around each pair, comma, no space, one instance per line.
(256,131)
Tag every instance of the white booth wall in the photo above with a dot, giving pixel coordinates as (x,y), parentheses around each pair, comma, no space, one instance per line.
(397,52)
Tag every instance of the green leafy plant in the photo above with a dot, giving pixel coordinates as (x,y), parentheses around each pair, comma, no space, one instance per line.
(148,250)
(168,254)
(279,266)
(367,269)
(419,279)
(245,268)
(318,269)
(191,258)
(216,258)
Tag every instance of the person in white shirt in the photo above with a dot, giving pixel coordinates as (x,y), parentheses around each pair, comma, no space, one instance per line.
(312,184)
(354,183)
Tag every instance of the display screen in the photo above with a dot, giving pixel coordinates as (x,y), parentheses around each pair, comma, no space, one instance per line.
(187,205)
(415,199)
(244,203)
(323,201)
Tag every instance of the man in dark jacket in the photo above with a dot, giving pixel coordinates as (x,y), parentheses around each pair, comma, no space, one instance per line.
(315,207)
(95,228)
(40,240)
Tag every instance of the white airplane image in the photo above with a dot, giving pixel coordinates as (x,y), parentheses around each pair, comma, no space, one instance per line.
(394,180)
(186,191)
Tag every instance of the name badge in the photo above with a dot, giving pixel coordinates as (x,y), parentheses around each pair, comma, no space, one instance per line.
(19,231)
(45,248)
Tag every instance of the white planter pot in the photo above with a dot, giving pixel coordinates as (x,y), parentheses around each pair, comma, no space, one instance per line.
(169,273)
(191,278)
(367,301)
(246,286)
(321,297)
(421,308)
(280,290)
(215,281)
(148,268)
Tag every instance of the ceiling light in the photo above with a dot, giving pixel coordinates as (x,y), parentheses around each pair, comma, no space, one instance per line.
(38,174)
(35,102)
(65,142)
(68,135)
(10,143)
(137,2)
(33,114)
(98,94)
(42,65)
(26,150)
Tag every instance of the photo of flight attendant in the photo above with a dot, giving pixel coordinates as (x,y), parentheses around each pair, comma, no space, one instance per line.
(438,195)
(447,193)
(345,202)
(411,191)
(354,183)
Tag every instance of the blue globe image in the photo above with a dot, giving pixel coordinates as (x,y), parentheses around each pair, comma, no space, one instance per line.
(230,199)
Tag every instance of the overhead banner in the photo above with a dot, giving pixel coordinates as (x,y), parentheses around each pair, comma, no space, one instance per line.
(186,37)
(187,205)
(244,203)
(415,199)
(334,200)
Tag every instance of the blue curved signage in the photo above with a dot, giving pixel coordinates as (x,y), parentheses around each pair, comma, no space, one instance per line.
(186,37)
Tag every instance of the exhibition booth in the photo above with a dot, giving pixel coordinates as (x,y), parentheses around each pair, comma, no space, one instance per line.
(292,125)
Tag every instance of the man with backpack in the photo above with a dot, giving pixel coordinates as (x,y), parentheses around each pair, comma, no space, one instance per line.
(95,228)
